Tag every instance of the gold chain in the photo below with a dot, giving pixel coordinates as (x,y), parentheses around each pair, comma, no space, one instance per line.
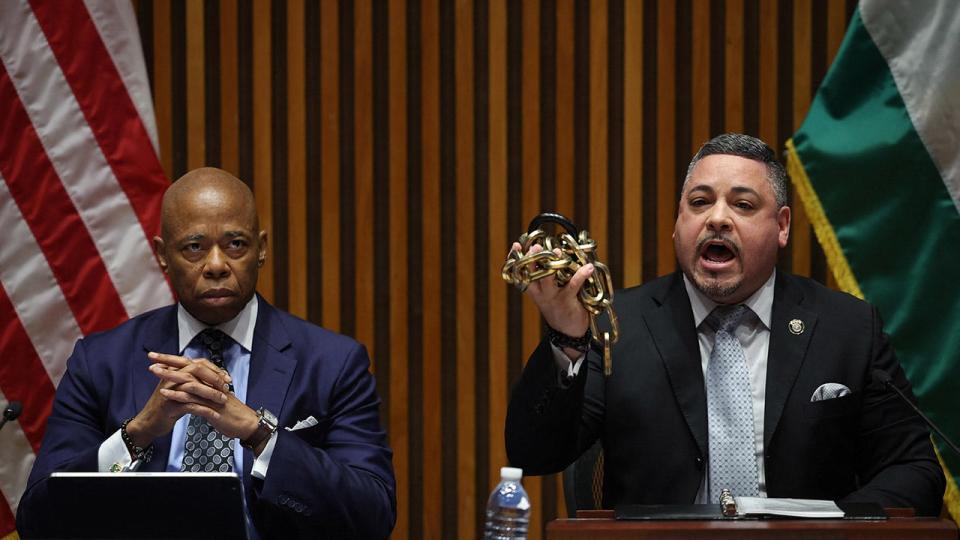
(596,295)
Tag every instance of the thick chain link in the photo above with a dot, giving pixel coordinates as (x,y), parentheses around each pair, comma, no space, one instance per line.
(562,256)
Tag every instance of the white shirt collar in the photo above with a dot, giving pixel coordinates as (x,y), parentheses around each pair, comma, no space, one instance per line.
(239,328)
(760,302)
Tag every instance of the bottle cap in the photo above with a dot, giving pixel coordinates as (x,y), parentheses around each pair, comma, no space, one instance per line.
(511,473)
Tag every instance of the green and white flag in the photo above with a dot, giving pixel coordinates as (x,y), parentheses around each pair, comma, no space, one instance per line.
(877,166)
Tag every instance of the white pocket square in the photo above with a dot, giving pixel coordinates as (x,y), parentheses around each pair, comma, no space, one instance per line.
(303,424)
(830,390)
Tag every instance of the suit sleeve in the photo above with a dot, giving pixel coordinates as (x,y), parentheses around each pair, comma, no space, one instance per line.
(73,436)
(896,464)
(334,479)
(548,424)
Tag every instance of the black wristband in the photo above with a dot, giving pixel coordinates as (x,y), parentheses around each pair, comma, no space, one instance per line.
(561,340)
(138,453)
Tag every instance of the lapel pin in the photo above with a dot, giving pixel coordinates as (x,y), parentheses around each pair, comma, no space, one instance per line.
(796,327)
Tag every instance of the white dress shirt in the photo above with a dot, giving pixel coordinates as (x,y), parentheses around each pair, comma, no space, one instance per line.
(754,336)
(237,362)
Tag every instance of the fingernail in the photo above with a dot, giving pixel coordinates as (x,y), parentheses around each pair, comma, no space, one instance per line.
(152,354)
(226,387)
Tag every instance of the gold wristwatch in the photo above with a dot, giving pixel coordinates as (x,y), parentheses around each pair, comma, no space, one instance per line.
(266,426)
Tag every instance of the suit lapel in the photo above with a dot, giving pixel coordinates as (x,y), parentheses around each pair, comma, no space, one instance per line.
(787,350)
(671,328)
(161,336)
(272,365)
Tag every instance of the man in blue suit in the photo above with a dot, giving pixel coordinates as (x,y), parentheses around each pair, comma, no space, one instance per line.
(224,381)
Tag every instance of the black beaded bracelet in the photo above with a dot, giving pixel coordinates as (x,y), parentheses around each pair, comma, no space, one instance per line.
(561,340)
(138,453)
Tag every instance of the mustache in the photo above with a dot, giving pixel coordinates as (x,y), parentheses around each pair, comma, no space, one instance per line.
(718,237)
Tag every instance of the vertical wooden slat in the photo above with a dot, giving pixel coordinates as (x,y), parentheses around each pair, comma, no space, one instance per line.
(162,89)
(229,98)
(399,299)
(330,158)
(530,201)
(483,250)
(733,60)
(196,135)
(469,496)
(211,82)
(449,250)
(599,134)
(768,73)
(279,154)
(363,170)
(498,235)
(801,234)
(666,128)
(650,104)
(565,110)
(430,219)
(633,145)
(262,129)
(297,161)
(700,78)
(836,27)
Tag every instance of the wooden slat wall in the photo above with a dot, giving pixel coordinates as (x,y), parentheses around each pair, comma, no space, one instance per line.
(396,149)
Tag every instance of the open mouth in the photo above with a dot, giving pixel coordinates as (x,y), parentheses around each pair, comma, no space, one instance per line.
(718,251)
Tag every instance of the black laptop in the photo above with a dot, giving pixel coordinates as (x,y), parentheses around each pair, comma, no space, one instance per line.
(170,505)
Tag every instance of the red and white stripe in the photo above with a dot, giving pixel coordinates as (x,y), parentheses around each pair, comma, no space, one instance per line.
(80,185)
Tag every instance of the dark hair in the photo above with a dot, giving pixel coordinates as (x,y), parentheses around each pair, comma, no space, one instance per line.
(745,146)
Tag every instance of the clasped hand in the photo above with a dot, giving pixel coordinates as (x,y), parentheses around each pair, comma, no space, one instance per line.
(188,386)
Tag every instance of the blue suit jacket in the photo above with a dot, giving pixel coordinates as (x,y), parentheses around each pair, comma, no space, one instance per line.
(331,480)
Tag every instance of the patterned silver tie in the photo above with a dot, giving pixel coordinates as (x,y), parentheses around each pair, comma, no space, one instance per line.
(733,462)
(206,449)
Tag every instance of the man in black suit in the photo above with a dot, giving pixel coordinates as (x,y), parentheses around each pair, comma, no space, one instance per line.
(811,422)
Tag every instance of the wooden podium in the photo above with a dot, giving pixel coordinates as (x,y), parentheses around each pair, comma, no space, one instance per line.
(600,525)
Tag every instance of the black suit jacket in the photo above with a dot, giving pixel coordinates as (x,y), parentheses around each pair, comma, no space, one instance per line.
(651,414)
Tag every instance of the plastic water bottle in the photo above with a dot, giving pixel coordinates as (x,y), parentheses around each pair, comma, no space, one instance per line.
(508,509)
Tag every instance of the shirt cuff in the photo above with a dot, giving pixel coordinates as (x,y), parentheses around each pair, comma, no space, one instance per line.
(113,455)
(259,469)
(569,367)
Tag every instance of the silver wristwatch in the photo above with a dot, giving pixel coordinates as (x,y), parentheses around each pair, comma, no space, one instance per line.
(266,426)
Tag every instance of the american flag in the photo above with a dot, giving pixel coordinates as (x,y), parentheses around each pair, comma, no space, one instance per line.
(80,183)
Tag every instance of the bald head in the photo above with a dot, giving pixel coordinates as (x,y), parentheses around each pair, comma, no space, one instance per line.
(208,186)
(211,245)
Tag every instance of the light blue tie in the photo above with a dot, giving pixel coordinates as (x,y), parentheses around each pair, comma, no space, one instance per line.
(733,462)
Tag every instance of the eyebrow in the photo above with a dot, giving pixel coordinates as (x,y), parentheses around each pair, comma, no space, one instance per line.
(735,189)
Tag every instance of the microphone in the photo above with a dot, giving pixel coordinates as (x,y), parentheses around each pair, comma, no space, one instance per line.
(13,410)
(882,377)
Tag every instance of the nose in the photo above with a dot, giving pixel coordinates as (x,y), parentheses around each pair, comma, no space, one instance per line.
(216,267)
(720,217)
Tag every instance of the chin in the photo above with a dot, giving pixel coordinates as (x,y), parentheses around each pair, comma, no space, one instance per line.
(717,290)
(215,316)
